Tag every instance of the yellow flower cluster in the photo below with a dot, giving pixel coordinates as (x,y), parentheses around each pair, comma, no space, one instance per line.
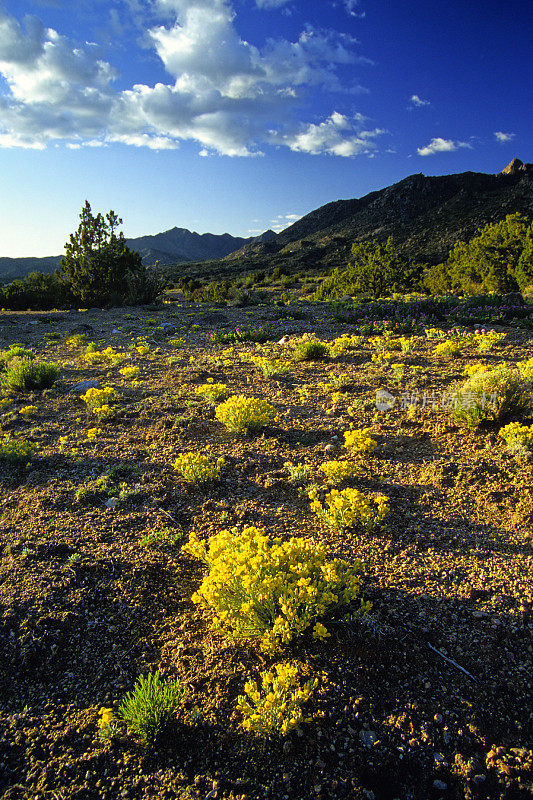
(272,591)
(196,468)
(360,441)
(213,392)
(94,356)
(337,471)
(129,372)
(434,333)
(476,369)
(382,357)
(343,343)
(98,400)
(242,414)
(447,349)
(526,369)
(349,508)
(93,433)
(407,343)
(518,438)
(275,708)
(485,341)
(28,411)
(106,717)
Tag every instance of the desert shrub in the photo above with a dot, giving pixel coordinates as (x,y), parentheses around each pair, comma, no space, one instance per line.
(518,438)
(337,471)
(28,375)
(151,705)
(15,351)
(196,468)
(274,708)
(311,350)
(16,451)
(497,394)
(349,508)
(244,414)
(213,393)
(272,591)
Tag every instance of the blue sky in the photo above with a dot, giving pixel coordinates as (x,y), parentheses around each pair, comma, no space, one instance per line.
(241,115)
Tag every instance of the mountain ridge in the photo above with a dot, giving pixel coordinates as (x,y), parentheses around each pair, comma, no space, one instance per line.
(425,215)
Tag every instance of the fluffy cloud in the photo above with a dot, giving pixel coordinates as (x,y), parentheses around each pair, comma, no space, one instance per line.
(418,102)
(504,137)
(338,135)
(439,145)
(226,94)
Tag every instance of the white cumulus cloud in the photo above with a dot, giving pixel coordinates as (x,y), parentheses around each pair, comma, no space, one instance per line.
(223,92)
(418,102)
(440,145)
(504,137)
(337,135)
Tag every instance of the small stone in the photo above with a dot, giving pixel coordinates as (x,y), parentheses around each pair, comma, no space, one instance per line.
(112,502)
(439,758)
(84,386)
(440,785)
(368,738)
(329,448)
(437,719)
(479,779)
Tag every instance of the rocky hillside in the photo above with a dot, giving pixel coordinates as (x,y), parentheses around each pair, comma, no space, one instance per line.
(426,215)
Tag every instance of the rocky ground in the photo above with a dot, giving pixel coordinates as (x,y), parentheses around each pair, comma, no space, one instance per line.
(429,696)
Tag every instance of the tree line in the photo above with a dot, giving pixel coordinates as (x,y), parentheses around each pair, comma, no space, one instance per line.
(498,259)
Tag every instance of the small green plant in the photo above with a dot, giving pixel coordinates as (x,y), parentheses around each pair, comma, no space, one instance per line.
(311,350)
(349,508)
(275,707)
(273,591)
(518,438)
(298,472)
(28,375)
(197,468)
(165,537)
(497,394)
(151,705)
(16,451)
(242,414)
(271,367)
